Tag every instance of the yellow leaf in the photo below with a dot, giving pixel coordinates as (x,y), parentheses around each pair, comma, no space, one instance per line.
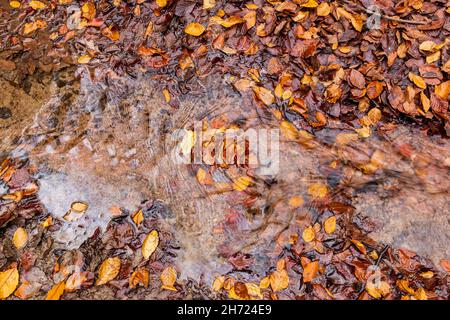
(310,4)
(15,4)
(231,21)
(37,5)
(150,244)
(309,234)
(138,217)
(111,33)
(296,201)
(279,280)
(417,80)
(242,183)
(47,222)
(433,57)
(20,238)
(318,190)
(56,291)
(79,206)
(108,270)
(88,10)
(84,59)
(265,95)
(254,290)
(161,3)
(264,283)
(209,4)
(360,246)
(427,274)
(166,94)
(218,283)
(443,90)
(9,280)
(168,278)
(421,294)
(310,271)
(194,29)
(330,225)
(425,102)
(427,46)
(140,276)
(323,9)
(288,130)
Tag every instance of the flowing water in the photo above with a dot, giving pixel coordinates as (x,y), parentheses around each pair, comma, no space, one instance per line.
(104,142)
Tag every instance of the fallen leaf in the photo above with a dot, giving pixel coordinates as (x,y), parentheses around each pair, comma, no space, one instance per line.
(75,281)
(323,9)
(209,4)
(265,95)
(161,3)
(20,238)
(330,225)
(108,270)
(309,234)
(194,29)
(218,283)
(9,279)
(296,201)
(417,80)
(15,4)
(168,278)
(138,217)
(56,291)
(150,244)
(318,190)
(84,59)
(140,276)
(37,5)
(310,271)
(279,280)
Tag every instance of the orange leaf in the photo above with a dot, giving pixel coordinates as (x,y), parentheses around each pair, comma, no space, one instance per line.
(56,291)
(20,238)
(194,29)
(310,271)
(108,270)
(168,278)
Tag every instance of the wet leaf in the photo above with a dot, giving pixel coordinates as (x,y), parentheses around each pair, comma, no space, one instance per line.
(330,225)
(109,270)
(296,201)
(20,238)
(323,9)
(84,59)
(194,29)
(242,183)
(75,281)
(168,278)
(9,279)
(417,80)
(218,283)
(309,234)
(56,291)
(140,276)
(279,280)
(138,217)
(265,95)
(318,189)
(231,21)
(360,246)
(209,4)
(37,5)
(150,244)
(310,271)
(161,3)
(88,10)
(264,283)
(15,4)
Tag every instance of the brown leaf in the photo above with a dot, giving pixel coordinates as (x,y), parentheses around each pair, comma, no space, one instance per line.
(140,276)
(357,79)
